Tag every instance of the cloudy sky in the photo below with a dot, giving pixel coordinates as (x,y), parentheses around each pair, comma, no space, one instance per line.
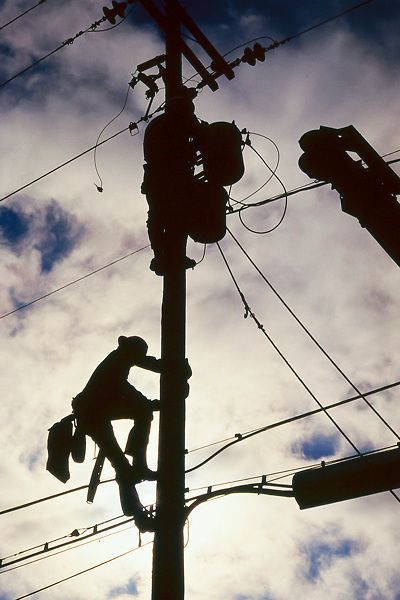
(330,271)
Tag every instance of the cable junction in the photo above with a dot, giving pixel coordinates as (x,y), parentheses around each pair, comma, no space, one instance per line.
(239,437)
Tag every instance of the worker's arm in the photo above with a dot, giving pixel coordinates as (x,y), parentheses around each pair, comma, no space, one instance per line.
(150,363)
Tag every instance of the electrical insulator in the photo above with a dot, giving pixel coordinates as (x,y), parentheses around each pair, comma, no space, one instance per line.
(251,55)
(118,10)
(221,148)
(206,217)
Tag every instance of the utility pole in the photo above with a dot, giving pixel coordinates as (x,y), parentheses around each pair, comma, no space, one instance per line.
(168,561)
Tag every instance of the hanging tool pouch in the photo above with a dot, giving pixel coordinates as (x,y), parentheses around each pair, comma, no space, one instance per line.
(59,444)
(78,446)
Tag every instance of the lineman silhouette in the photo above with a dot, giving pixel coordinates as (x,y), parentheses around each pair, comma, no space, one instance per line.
(108,396)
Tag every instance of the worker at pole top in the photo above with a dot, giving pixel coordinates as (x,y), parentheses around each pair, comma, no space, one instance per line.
(109,396)
(168,175)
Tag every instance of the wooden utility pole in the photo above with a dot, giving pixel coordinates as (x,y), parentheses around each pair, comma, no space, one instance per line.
(168,562)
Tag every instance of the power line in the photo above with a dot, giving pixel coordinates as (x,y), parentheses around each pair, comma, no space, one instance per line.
(287,472)
(22,14)
(67,42)
(33,502)
(11,312)
(40,558)
(249,312)
(233,440)
(273,171)
(67,162)
(131,127)
(46,549)
(311,336)
(74,533)
(273,174)
(105,562)
(261,328)
(302,188)
(239,437)
(273,46)
(276,44)
(328,20)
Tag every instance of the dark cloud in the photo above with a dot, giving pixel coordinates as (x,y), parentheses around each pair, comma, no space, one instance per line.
(60,233)
(13,227)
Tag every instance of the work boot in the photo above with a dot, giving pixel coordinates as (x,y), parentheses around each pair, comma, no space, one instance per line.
(157,265)
(143,473)
(144,520)
(132,507)
(160,266)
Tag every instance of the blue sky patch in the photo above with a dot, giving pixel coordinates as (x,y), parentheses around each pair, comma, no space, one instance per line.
(60,235)
(130,589)
(13,226)
(318,446)
(321,555)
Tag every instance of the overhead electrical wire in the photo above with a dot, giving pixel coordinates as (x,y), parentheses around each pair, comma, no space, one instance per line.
(273,174)
(273,46)
(303,188)
(104,562)
(11,312)
(67,162)
(249,312)
(74,533)
(131,127)
(22,14)
(100,187)
(51,553)
(311,336)
(242,201)
(67,42)
(287,472)
(239,437)
(45,548)
(52,497)
(328,20)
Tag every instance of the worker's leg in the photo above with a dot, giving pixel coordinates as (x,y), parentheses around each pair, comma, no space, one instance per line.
(103,435)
